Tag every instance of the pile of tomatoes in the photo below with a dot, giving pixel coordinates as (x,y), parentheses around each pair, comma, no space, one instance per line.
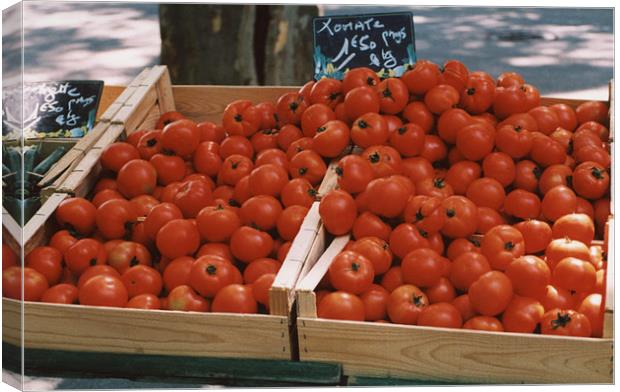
(448,155)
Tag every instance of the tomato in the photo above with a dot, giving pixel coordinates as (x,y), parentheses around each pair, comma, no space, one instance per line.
(593,154)
(298,191)
(577,227)
(180,137)
(486,192)
(546,151)
(100,269)
(478,95)
(287,135)
(558,201)
(241,118)
(167,118)
(47,261)
(459,246)
(417,112)
(84,253)
(522,204)
(127,254)
(338,212)
(290,107)
(442,314)
(177,272)
(209,274)
(134,137)
(434,149)
(529,275)
(592,307)
(501,245)
(60,240)
(393,94)
(434,187)
(260,267)
(261,287)
(423,267)
(351,272)
(309,165)
(158,216)
(369,129)
(455,74)
(441,292)
(150,144)
(532,96)
(554,175)
(315,117)
(217,249)
(331,139)
(499,166)
(62,293)
(546,119)
(527,175)
(76,214)
(461,214)
(441,98)
(425,212)
(115,218)
(488,218)
(450,122)
(405,238)
(211,132)
(565,323)
(248,243)
(304,91)
(555,297)
(103,290)
(522,315)
(574,274)
(509,100)
(507,79)
(207,159)
(137,177)
(536,235)
(360,76)
(10,259)
(299,145)
(405,304)
(475,141)
(484,323)
(141,279)
(387,197)
(424,76)
(417,169)
(216,223)
(467,268)
(144,301)
(143,204)
(114,156)
(235,298)
(34,283)
(368,224)
(341,305)
(290,221)
(591,180)
(184,298)
(375,303)
(561,248)
(461,174)
(327,91)
(192,197)
(177,237)
(236,145)
(261,212)
(376,250)
(354,173)
(491,293)
(593,111)
(385,160)
(234,168)
(595,128)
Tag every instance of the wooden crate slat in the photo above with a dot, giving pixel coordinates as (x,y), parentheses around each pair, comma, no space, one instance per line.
(389,350)
(608,320)
(151,119)
(11,231)
(37,231)
(154,75)
(165,97)
(117,330)
(118,103)
(136,108)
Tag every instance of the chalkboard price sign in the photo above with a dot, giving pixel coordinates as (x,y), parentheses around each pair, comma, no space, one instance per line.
(50,109)
(382,42)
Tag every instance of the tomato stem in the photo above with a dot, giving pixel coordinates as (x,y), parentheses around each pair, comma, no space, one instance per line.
(562,321)
(362,124)
(450,213)
(238,118)
(211,269)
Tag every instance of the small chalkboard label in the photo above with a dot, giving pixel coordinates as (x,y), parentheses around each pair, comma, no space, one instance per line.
(382,42)
(51,109)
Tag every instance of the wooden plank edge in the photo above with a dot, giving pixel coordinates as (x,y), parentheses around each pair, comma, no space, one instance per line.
(165,96)
(608,297)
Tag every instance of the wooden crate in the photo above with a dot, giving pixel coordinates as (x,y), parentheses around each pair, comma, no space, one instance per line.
(443,355)
(99,329)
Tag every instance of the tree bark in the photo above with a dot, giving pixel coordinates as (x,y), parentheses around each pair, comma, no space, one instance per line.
(237,44)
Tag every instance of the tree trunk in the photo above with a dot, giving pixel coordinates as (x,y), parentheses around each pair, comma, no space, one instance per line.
(237,44)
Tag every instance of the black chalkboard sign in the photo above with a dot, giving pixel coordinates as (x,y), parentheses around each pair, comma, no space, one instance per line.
(51,109)
(382,42)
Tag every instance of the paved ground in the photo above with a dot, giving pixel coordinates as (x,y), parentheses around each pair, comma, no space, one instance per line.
(565,52)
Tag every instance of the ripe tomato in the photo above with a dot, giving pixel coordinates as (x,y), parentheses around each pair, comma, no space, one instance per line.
(178,237)
(591,180)
(500,166)
(216,223)
(501,245)
(527,174)
(376,250)
(387,197)
(298,191)
(478,95)
(450,122)
(142,279)
(315,117)
(486,192)
(546,119)
(491,293)
(290,107)
(522,315)
(488,218)
(424,76)
(134,137)
(593,111)
(60,240)
(47,261)
(309,165)
(241,118)
(417,112)
(150,144)
(509,100)
(184,298)
(236,145)
(167,118)
(95,270)
(248,243)
(369,129)
(405,238)
(360,76)
(235,298)
(405,304)
(192,197)
(461,214)
(361,100)
(34,283)
(103,290)
(536,235)
(304,91)
(144,301)
(209,274)
(558,201)
(592,307)
(459,246)
(62,293)
(368,224)
(425,212)
(475,141)
(417,169)
(207,159)
(385,160)
(461,174)
(327,91)
(561,248)
(547,151)
(554,175)
(331,139)
(393,95)
(467,268)
(114,156)
(434,149)
(261,287)
(455,74)
(441,98)
(522,204)
(115,218)
(565,323)
(261,212)
(10,259)
(76,214)
(529,275)
(260,267)
(441,292)
(137,177)
(127,254)
(83,254)
(272,156)
(177,272)
(338,212)
(341,305)
(484,323)
(234,168)
(351,272)
(290,220)
(143,204)
(287,135)
(442,314)
(158,216)
(354,173)
(424,267)
(375,302)
(181,137)
(577,227)
(574,274)
(211,132)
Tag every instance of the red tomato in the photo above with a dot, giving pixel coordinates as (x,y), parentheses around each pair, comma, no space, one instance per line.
(235,298)
(181,137)
(114,156)
(351,272)
(167,118)
(62,293)
(177,237)
(565,323)
(443,315)
(529,275)
(141,279)
(341,305)
(338,212)
(83,254)
(375,303)
(484,323)
(115,218)
(461,216)
(47,261)
(501,245)
(393,95)
(184,298)
(103,290)
(315,117)
(441,98)
(424,76)
(405,304)
(522,315)
(248,243)
(361,100)
(192,197)
(144,301)
(491,293)
(467,268)
(536,235)
(76,213)
(424,267)
(34,284)
(137,177)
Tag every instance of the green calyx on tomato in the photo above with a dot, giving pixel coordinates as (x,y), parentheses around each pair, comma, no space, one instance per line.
(134,261)
(597,173)
(450,213)
(320,129)
(509,245)
(374,157)
(293,106)
(439,183)
(418,301)
(402,130)
(370,81)
(562,321)
(211,269)
(362,124)
(355,267)
(238,118)
(303,170)
(471,91)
